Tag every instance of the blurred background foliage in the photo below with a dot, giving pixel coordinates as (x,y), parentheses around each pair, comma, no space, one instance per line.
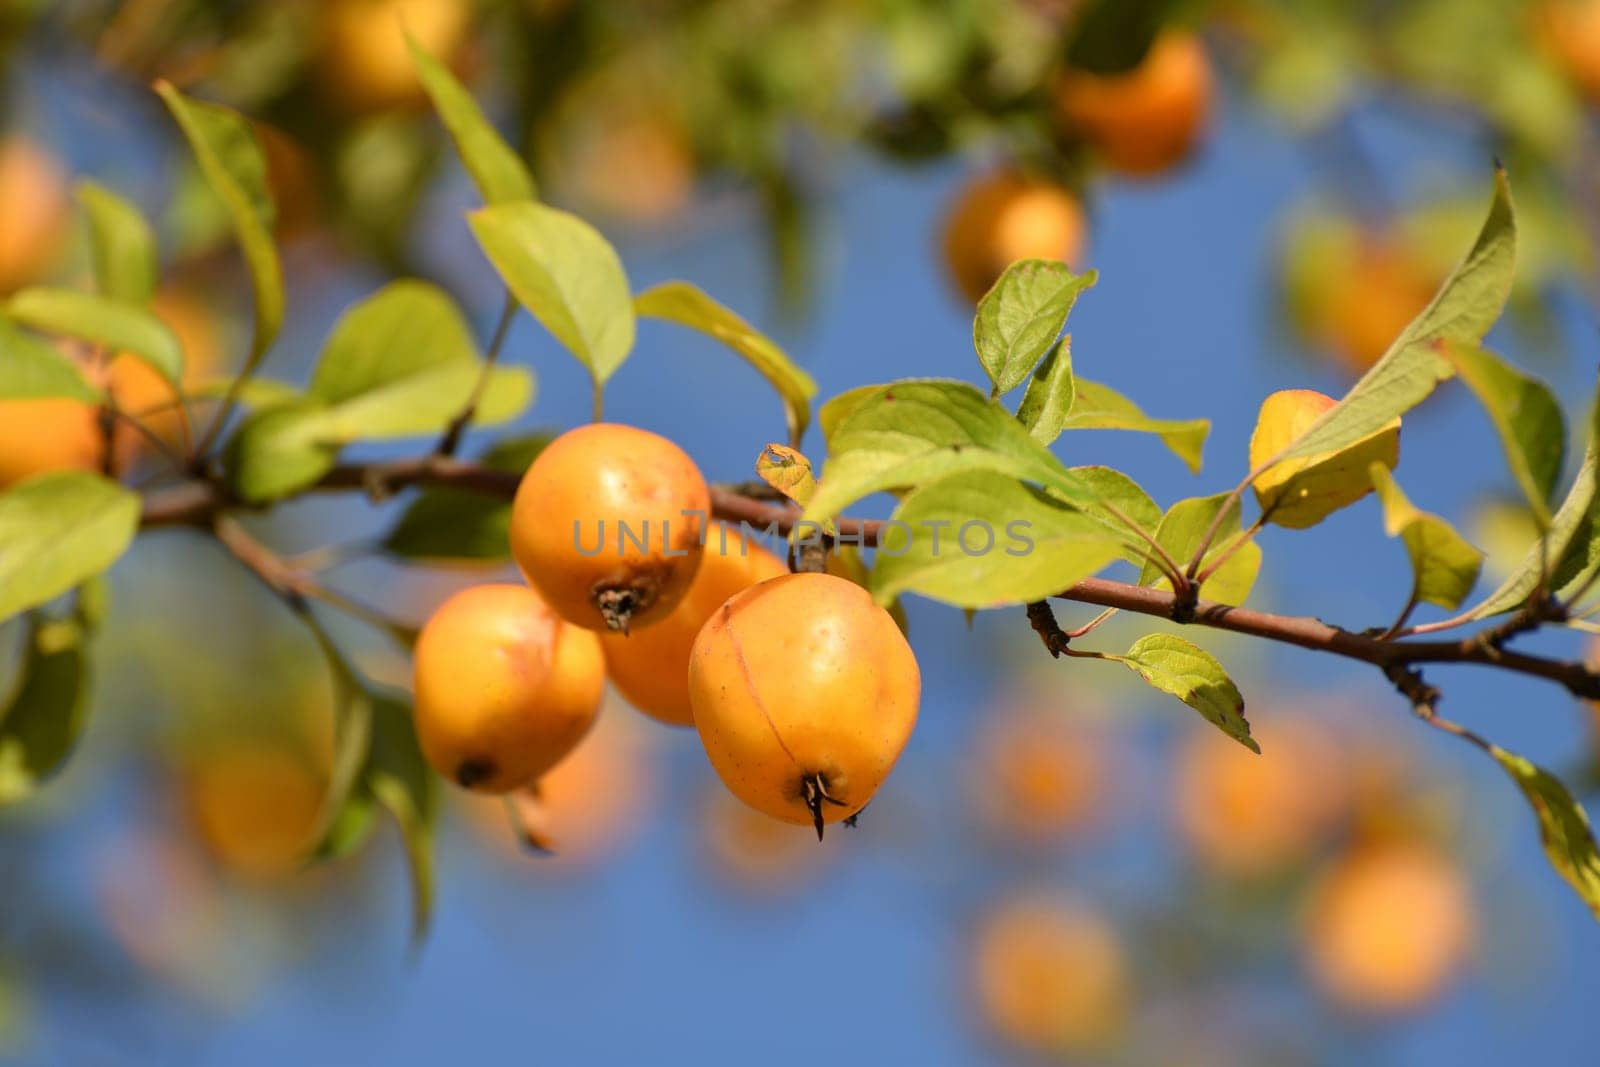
(1280,910)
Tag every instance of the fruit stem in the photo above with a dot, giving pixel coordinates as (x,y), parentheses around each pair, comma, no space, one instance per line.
(814,791)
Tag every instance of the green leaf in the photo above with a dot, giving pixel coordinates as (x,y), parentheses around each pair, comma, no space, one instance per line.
(1444,566)
(47,713)
(234,166)
(1098,407)
(121,245)
(1464,309)
(403,362)
(980,539)
(1570,551)
(1112,487)
(1525,414)
(1563,825)
(1050,394)
(496,170)
(256,392)
(909,433)
(568,277)
(278,451)
(31,368)
(1182,529)
(58,530)
(116,325)
(1021,317)
(459,524)
(1194,676)
(398,778)
(687,305)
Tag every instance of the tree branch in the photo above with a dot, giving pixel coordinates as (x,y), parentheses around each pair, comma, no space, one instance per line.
(198,503)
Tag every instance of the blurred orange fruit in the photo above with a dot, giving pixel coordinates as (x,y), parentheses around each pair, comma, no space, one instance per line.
(364,59)
(757,854)
(35,213)
(48,434)
(1387,927)
(1245,815)
(1051,975)
(1003,216)
(145,394)
(1148,119)
(1569,33)
(1039,776)
(254,805)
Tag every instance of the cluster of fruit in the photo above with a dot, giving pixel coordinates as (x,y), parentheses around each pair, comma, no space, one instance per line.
(803,690)
(1141,124)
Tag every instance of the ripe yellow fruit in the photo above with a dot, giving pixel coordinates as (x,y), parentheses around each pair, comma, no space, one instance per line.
(255,807)
(1302,492)
(1148,119)
(650,665)
(1388,926)
(1004,216)
(1040,777)
(1051,975)
(1245,815)
(364,59)
(1569,33)
(35,214)
(804,692)
(608,525)
(504,687)
(48,434)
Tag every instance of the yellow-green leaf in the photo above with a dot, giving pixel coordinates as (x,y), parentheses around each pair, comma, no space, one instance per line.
(116,325)
(1021,317)
(1444,566)
(30,368)
(787,471)
(687,305)
(1525,414)
(1563,825)
(1195,677)
(46,714)
(566,274)
(1050,394)
(1183,527)
(234,166)
(121,245)
(1468,303)
(496,170)
(1099,407)
(56,531)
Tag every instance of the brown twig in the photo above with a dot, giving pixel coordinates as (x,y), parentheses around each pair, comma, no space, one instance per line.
(200,502)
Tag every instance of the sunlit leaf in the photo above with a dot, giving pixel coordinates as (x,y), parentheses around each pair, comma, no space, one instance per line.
(31,368)
(234,166)
(496,170)
(566,274)
(1299,493)
(910,433)
(1443,565)
(1525,414)
(56,531)
(1195,677)
(787,471)
(1098,407)
(1021,317)
(1464,309)
(1183,527)
(121,245)
(116,325)
(980,539)
(1050,394)
(1563,825)
(686,305)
